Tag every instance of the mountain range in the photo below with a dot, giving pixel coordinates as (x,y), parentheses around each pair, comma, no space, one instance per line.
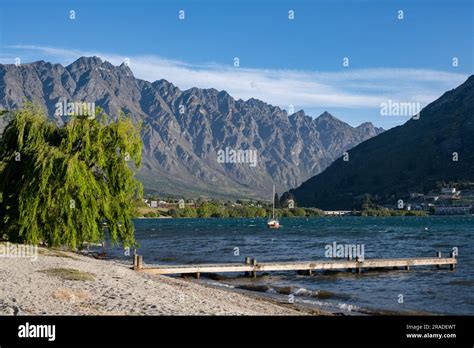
(185,129)
(432,149)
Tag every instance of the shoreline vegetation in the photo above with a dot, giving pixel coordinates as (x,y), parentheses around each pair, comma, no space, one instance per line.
(61,282)
(217,209)
(385,212)
(214,209)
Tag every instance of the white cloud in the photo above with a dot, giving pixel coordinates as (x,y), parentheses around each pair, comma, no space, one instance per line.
(351,88)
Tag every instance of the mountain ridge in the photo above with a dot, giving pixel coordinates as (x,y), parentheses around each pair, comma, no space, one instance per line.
(187,127)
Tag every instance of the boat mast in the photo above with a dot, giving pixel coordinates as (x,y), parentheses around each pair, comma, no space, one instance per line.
(273,200)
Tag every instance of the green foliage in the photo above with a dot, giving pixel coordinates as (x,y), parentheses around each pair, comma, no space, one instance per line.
(187,212)
(368,203)
(217,210)
(299,212)
(205,210)
(415,213)
(261,212)
(313,212)
(174,213)
(391,212)
(152,214)
(369,208)
(61,185)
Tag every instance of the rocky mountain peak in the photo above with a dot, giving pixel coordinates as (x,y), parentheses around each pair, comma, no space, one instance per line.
(185,129)
(89,62)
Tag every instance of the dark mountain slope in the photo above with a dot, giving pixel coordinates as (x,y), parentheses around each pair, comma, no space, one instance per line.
(409,158)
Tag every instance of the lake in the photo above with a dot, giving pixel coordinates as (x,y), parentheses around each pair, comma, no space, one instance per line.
(420,290)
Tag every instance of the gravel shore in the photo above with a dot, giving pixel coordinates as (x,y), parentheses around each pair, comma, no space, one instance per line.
(65,283)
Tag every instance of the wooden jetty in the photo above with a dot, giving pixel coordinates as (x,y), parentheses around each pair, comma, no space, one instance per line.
(250,267)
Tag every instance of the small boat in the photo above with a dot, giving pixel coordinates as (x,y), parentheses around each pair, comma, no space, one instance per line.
(273,223)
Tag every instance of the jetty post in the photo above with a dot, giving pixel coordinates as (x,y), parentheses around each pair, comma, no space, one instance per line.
(359,268)
(254,264)
(438,255)
(247,262)
(137,262)
(452,266)
(135,256)
(103,248)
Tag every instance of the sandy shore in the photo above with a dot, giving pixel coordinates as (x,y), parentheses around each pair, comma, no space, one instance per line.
(42,287)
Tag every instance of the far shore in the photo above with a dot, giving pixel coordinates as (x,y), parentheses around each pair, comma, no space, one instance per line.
(289,217)
(66,283)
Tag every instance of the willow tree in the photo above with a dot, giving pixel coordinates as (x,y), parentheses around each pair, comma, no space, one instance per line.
(67,185)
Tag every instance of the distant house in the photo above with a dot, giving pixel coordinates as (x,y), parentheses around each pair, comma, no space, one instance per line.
(291,204)
(154,204)
(450,193)
(181,204)
(448,190)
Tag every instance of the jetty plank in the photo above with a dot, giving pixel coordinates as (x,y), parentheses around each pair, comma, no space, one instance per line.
(308,266)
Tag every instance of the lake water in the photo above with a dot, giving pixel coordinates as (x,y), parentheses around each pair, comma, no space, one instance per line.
(420,290)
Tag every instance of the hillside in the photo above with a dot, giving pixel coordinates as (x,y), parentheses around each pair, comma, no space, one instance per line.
(405,159)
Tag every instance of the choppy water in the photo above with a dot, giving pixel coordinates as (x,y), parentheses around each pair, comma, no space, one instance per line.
(424,289)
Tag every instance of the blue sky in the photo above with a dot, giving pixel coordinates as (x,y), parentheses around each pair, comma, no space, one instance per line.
(284,62)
